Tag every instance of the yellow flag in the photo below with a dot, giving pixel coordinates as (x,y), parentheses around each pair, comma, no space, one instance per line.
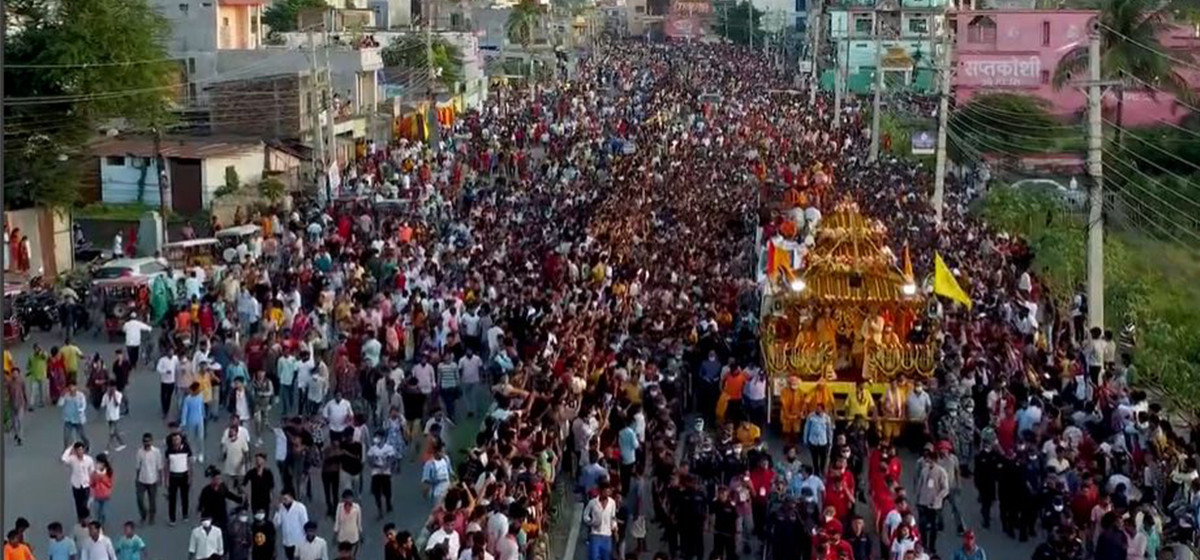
(944,283)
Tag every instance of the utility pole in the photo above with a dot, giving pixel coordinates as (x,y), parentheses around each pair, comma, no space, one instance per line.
(331,151)
(164,181)
(877,104)
(839,80)
(939,177)
(814,52)
(314,112)
(1095,254)
(750,21)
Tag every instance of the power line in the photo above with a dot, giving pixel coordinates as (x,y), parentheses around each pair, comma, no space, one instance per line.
(1129,182)
(1168,56)
(1157,148)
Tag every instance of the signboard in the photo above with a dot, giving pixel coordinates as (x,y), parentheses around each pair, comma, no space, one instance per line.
(683,28)
(805,66)
(924,143)
(691,8)
(1000,71)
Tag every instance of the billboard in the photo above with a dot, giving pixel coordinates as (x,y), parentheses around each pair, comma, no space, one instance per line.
(924,143)
(677,27)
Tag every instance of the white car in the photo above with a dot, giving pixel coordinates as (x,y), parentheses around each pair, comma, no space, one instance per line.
(147,267)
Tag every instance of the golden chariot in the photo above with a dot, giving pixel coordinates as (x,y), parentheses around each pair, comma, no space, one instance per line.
(844,316)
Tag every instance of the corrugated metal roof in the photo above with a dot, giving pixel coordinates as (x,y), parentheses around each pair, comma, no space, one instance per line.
(184,148)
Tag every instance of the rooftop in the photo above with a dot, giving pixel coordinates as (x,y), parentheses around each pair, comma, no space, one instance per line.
(176,147)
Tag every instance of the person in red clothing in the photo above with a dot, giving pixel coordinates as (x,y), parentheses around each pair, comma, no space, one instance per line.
(761,478)
(834,547)
(841,470)
(839,498)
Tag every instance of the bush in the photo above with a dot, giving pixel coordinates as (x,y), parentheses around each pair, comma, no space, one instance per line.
(1147,281)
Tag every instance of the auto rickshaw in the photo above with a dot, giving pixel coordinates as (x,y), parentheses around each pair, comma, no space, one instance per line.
(183,255)
(120,299)
(229,239)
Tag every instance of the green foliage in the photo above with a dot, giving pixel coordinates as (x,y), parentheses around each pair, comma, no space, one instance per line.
(1147,281)
(409,52)
(72,65)
(1003,123)
(272,188)
(523,22)
(283,15)
(738,21)
(1130,49)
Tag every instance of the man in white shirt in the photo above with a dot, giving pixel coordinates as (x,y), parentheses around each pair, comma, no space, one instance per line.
(312,547)
(81,466)
(445,535)
(206,541)
(600,516)
(469,368)
(133,329)
(426,377)
(291,518)
(97,545)
(338,412)
(150,465)
(168,369)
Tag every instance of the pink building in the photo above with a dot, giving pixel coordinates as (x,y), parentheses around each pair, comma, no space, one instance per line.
(1018,50)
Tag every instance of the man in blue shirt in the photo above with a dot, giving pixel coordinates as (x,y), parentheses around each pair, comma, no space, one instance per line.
(818,434)
(60,547)
(591,475)
(191,418)
(74,415)
(710,384)
(628,443)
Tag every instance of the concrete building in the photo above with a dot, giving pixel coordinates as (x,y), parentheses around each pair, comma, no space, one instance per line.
(908,34)
(1019,50)
(196,169)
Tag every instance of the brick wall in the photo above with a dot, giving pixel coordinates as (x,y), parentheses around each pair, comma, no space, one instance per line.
(268,107)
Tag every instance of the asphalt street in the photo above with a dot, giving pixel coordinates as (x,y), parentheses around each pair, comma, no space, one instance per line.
(35,481)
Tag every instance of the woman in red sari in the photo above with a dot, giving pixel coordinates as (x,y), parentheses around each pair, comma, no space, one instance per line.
(56,372)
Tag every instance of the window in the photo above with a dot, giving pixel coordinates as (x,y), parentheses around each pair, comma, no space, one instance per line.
(191,65)
(981,30)
(192,91)
(253,25)
(206,4)
(183,8)
(918,26)
(862,25)
(224,22)
(115,161)
(145,162)
(1045,34)
(640,9)
(1045,76)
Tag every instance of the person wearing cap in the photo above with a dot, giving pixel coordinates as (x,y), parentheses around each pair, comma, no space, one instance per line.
(835,547)
(969,549)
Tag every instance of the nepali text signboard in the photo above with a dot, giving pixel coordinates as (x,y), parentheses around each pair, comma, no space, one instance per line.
(924,143)
(999,71)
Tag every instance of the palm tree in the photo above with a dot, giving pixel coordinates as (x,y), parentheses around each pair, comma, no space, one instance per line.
(1129,31)
(523,20)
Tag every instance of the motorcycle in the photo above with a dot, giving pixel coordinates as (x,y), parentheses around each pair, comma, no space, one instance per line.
(38,309)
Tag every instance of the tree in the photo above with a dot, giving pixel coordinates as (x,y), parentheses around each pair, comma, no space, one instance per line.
(71,66)
(409,52)
(1130,50)
(1004,123)
(283,15)
(523,21)
(739,22)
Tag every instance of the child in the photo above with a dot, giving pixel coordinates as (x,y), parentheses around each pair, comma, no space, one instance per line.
(130,546)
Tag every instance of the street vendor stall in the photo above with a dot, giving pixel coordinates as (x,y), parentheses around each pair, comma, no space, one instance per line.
(847,313)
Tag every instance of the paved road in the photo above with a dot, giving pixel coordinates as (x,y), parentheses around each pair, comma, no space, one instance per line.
(35,481)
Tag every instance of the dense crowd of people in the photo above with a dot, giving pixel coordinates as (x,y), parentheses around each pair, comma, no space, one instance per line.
(575,276)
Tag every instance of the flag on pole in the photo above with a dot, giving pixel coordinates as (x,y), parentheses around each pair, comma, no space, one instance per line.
(908,270)
(944,283)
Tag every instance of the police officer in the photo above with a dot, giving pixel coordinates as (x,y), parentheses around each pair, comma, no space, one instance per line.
(989,466)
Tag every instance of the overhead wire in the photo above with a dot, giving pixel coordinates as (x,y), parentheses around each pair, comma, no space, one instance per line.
(1168,56)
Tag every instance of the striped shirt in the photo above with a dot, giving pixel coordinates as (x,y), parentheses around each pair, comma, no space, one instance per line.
(447,373)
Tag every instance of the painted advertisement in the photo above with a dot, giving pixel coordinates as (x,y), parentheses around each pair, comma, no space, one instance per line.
(677,27)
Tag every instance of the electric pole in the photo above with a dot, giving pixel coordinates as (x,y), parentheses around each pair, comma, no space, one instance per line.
(331,151)
(814,52)
(877,104)
(750,21)
(1095,260)
(839,81)
(314,112)
(164,181)
(939,177)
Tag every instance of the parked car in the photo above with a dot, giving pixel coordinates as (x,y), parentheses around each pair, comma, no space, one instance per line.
(145,267)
